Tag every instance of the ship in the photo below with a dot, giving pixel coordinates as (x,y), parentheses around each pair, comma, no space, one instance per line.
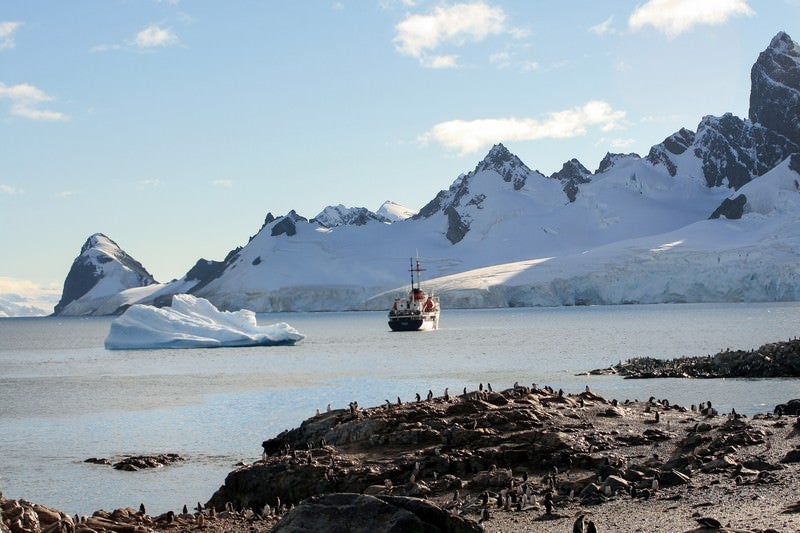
(418,310)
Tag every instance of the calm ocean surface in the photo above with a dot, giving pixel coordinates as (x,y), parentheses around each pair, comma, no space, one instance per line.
(64,398)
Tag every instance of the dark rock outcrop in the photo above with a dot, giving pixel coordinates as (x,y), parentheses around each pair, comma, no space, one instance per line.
(734,151)
(790,408)
(775,88)
(206,271)
(731,209)
(779,359)
(675,144)
(141,462)
(287,225)
(572,174)
(358,513)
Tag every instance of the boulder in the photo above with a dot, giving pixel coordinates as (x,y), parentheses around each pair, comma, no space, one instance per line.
(357,513)
(792,456)
(790,408)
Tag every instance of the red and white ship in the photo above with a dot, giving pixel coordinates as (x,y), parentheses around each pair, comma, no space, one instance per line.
(418,310)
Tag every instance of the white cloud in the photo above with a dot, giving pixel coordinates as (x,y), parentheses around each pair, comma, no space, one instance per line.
(604,28)
(155,36)
(105,47)
(25,101)
(673,17)
(500,59)
(7,30)
(419,36)
(223,183)
(21,297)
(529,66)
(468,136)
(622,143)
(448,61)
(8,189)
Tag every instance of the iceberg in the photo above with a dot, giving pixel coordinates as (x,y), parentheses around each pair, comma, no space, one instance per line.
(192,322)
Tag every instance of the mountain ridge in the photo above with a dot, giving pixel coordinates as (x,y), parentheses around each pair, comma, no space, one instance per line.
(697,183)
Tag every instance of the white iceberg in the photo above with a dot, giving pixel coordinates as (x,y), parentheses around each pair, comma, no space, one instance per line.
(192,322)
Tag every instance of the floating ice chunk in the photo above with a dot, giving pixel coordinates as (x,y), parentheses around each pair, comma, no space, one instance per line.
(192,322)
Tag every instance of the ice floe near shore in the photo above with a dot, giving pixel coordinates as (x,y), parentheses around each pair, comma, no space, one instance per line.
(192,322)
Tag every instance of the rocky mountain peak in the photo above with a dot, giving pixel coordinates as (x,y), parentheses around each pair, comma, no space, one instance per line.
(339,215)
(572,174)
(287,225)
(675,144)
(611,159)
(508,165)
(775,88)
(573,170)
(101,258)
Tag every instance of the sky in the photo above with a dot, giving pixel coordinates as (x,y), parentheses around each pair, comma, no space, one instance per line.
(175,126)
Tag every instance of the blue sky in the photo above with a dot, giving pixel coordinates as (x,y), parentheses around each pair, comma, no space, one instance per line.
(174,126)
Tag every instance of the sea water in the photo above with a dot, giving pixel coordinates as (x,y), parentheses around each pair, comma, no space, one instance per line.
(64,398)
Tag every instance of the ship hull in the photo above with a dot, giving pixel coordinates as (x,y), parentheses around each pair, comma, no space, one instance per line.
(413,323)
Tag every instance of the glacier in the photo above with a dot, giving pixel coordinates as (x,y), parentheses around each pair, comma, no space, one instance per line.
(192,322)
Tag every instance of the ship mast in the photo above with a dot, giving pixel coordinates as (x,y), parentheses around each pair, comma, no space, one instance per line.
(416,269)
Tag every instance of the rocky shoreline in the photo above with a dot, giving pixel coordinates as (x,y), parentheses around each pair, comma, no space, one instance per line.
(528,458)
(773,360)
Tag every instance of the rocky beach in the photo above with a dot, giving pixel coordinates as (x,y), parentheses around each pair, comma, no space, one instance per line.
(772,360)
(528,458)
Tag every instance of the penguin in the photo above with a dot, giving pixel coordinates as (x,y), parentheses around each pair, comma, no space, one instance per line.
(707,521)
(142,510)
(580,524)
(418,397)
(489,387)
(590,527)
(446,395)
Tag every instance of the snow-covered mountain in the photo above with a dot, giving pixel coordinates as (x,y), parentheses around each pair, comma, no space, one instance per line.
(394,211)
(707,215)
(97,277)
